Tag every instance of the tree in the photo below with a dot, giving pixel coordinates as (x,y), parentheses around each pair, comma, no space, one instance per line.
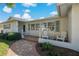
(10,5)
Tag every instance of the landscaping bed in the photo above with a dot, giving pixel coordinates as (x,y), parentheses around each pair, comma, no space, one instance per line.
(46,49)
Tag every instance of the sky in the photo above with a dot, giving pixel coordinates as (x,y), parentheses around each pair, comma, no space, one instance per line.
(28,11)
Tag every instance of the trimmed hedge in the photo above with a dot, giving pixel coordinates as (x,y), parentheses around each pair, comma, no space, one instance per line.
(1,35)
(11,36)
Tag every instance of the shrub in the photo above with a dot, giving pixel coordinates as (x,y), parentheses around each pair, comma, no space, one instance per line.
(13,36)
(5,35)
(1,35)
(47,46)
(10,36)
(54,53)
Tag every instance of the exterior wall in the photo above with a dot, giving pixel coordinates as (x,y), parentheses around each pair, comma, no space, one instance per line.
(13,27)
(75,27)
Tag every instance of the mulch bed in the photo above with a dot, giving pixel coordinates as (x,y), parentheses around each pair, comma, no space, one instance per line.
(61,50)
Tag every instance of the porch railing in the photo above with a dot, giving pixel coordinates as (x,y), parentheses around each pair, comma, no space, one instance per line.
(59,36)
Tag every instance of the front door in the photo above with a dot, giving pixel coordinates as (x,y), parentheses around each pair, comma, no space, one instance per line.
(23,28)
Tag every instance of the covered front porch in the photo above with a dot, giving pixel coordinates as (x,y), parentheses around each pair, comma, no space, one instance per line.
(52,29)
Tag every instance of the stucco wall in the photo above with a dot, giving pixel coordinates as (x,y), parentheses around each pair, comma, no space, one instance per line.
(13,27)
(75,26)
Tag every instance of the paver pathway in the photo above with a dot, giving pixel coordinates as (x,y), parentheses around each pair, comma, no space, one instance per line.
(23,48)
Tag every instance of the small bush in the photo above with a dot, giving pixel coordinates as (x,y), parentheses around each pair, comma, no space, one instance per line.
(47,46)
(1,35)
(10,36)
(13,36)
(5,35)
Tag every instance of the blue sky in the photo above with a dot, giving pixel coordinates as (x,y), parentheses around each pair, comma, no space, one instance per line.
(28,11)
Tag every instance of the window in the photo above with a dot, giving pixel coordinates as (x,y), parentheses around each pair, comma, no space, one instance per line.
(7,26)
(54,26)
(51,26)
(57,26)
(45,25)
(37,26)
(32,26)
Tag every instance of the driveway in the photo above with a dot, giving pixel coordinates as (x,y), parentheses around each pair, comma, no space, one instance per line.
(23,48)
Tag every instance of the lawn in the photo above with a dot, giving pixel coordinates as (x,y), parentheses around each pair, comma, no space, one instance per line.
(4,45)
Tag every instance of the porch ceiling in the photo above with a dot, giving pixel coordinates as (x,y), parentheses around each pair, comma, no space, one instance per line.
(63,8)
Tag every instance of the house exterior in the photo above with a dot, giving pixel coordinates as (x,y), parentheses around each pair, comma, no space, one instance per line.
(67,21)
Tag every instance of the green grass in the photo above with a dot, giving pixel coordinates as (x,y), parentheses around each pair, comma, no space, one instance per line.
(4,45)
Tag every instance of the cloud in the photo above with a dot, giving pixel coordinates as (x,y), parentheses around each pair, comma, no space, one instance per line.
(48,4)
(26,16)
(17,15)
(29,4)
(53,13)
(2,21)
(27,11)
(7,9)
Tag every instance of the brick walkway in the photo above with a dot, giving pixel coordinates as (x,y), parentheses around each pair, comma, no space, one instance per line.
(23,48)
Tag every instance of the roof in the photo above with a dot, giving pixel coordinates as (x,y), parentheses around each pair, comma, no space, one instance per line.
(48,18)
(22,20)
(14,19)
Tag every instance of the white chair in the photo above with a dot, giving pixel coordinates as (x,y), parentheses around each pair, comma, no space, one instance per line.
(61,36)
(51,34)
(45,33)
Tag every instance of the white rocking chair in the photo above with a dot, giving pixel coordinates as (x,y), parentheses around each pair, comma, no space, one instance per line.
(61,36)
